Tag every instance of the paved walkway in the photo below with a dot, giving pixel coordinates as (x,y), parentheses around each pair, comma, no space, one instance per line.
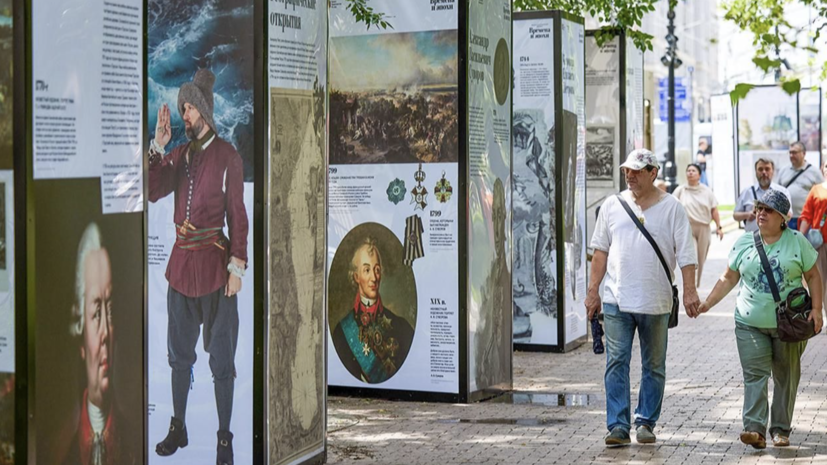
(700,423)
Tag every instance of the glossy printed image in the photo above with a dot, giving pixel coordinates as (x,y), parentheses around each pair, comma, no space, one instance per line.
(394,98)
(372,303)
(186,36)
(535,249)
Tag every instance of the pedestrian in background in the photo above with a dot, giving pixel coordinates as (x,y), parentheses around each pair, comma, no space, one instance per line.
(744,208)
(799,179)
(638,297)
(761,352)
(702,208)
(813,224)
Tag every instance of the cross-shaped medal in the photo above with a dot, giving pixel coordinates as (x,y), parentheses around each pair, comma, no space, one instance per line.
(365,348)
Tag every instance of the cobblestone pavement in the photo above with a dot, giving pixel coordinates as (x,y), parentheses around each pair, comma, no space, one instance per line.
(700,423)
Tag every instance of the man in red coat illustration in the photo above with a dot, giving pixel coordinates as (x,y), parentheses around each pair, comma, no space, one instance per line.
(205,266)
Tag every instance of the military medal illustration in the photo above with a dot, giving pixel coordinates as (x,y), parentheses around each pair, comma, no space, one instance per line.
(443,189)
(419,195)
(396,191)
(413,240)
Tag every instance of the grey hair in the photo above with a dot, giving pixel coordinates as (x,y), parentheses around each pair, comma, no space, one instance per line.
(89,242)
(372,247)
(800,145)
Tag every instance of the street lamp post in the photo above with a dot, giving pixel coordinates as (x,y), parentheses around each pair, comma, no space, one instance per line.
(672,61)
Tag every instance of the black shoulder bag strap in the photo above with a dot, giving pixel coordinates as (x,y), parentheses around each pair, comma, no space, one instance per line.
(673,314)
(754,195)
(647,236)
(790,183)
(765,263)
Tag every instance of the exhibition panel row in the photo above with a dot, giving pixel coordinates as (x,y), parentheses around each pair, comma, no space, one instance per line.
(767,121)
(762,125)
(171,162)
(549,179)
(223,207)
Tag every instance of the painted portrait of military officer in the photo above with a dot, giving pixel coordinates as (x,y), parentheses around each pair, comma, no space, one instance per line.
(371,339)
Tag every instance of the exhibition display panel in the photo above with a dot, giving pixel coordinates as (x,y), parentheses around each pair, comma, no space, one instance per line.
(549,182)
(419,185)
(614,115)
(723,167)
(293,188)
(81,248)
(7,235)
(767,121)
(171,162)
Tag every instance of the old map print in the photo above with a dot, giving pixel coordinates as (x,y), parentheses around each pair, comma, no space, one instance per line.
(296,367)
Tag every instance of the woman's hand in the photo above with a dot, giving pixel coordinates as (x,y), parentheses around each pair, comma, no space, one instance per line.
(720,233)
(815,317)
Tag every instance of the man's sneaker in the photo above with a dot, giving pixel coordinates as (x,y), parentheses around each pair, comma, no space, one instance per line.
(618,437)
(779,440)
(644,435)
(756,440)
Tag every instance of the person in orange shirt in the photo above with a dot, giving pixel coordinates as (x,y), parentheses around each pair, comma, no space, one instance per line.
(814,216)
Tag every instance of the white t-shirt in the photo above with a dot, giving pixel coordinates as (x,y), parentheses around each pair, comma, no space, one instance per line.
(800,188)
(635,280)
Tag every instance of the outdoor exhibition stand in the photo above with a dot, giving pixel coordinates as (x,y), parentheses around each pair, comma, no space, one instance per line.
(767,121)
(94,239)
(549,184)
(419,236)
(721,167)
(614,116)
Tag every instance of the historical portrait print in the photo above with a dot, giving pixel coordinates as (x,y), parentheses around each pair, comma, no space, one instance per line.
(372,303)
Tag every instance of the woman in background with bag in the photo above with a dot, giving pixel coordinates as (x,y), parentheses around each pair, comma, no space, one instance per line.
(813,224)
(790,257)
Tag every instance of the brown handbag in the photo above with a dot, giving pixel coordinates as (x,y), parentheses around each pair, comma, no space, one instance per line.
(793,313)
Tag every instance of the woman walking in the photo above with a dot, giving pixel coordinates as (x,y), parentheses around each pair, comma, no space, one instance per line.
(813,224)
(702,207)
(761,352)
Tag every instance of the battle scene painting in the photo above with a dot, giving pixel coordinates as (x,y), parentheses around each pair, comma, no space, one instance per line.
(394,98)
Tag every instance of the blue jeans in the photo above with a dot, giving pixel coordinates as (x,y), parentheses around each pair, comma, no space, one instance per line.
(620,333)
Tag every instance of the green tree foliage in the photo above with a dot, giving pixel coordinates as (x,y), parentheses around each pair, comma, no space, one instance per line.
(774,36)
(614,15)
(365,14)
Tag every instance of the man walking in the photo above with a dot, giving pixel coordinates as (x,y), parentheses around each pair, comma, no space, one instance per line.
(638,296)
(798,179)
(205,267)
(744,208)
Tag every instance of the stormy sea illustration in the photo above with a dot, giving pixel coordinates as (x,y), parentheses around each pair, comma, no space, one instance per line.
(214,34)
